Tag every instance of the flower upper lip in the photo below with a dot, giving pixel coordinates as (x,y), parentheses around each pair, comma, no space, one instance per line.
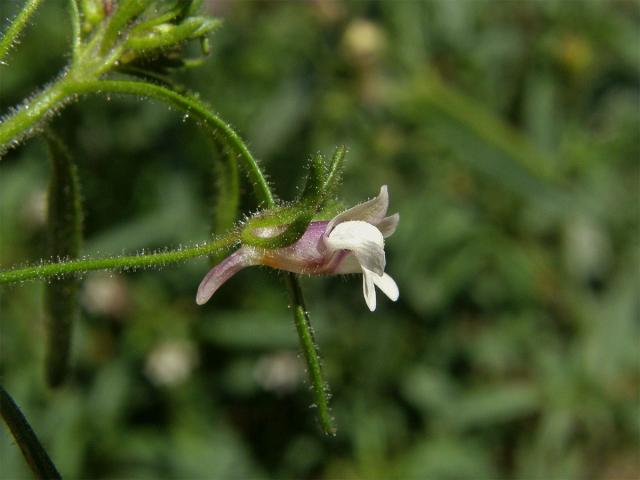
(372,211)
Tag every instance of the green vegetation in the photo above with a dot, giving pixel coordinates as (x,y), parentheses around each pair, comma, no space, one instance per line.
(507,133)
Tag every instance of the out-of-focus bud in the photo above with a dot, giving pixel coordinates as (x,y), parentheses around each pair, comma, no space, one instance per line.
(170,363)
(328,11)
(574,54)
(587,249)
(106,294)
(280,372)
(364,43)
(388,141)
(34,210)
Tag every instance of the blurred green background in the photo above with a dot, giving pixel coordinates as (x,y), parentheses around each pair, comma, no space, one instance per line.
(508,133)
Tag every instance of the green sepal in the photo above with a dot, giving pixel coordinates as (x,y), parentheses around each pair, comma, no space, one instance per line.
(290,222)
(64,241)
(323,179)
(312,193)
(92,12)
(205,46)
(291,233)
(188,7)
(126,13)
(334,173)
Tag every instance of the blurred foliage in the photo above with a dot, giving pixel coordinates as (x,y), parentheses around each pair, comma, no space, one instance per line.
(508,135)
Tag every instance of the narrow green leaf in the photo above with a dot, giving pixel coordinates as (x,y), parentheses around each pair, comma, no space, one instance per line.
(64,239)
(227,189)
(32,450)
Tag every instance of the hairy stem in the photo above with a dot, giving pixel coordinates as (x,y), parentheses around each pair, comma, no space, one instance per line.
(310,350)
(74,13)
(131,262)
(25,437)
(200,111)
(193,106)
(10,36)
(23,121)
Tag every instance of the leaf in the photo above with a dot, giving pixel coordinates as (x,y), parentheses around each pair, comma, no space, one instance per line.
(64,239)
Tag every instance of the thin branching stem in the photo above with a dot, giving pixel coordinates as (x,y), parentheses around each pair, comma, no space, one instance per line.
(19,125)
(191,106)
(194,107)
(10,36)
(24,121)
(131,262)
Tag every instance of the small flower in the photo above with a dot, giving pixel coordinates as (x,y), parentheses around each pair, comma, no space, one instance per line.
(352,242)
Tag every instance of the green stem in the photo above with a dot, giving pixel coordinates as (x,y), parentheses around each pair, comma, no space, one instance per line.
(191,106)
(25,437)
(131,262)
(20,124)
(194,107)
(11,34)
(23,121)
(310,349)
(76,30)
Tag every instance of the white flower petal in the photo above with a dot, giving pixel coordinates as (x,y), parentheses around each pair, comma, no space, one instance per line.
(361,238)
(372,211)
(388,225)
(368,289)
(387,285)
(348,264)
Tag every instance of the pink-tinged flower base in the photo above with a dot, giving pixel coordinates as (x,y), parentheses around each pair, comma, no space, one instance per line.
(352,242)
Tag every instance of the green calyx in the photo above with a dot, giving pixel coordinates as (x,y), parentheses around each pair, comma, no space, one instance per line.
(143,32)
(282,226)
(155,37)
